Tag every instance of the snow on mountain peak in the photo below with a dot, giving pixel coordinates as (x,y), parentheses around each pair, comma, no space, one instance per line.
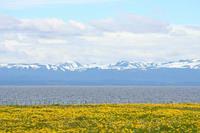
(192,64)
(121,65)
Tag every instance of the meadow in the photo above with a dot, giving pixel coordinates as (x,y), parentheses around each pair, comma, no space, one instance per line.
(108,118)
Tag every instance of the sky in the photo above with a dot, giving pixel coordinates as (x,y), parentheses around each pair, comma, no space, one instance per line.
(98,31)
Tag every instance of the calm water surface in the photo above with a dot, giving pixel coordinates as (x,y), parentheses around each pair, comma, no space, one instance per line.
(28,95)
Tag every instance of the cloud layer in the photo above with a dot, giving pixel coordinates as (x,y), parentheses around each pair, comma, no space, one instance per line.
(128,37)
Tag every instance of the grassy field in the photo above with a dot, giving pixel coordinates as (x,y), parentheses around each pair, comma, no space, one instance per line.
(127,118)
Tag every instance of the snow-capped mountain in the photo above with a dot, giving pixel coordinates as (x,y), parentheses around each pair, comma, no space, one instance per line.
(71,66)
(183,72)
(122,65)
(192,64)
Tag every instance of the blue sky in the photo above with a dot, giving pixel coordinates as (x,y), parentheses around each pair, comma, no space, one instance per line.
(173,11)
(91,31)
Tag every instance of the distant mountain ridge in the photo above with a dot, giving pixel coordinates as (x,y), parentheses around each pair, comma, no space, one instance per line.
(121,65)
(182,72)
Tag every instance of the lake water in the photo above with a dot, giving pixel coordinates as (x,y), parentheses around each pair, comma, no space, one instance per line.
(29,95)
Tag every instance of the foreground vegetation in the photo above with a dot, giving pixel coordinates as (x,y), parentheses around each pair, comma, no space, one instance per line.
(127,118)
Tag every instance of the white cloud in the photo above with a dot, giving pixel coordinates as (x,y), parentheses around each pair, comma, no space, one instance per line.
(131,23)
(104,41)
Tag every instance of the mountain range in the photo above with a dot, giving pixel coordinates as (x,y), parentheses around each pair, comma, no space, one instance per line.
(182,72)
